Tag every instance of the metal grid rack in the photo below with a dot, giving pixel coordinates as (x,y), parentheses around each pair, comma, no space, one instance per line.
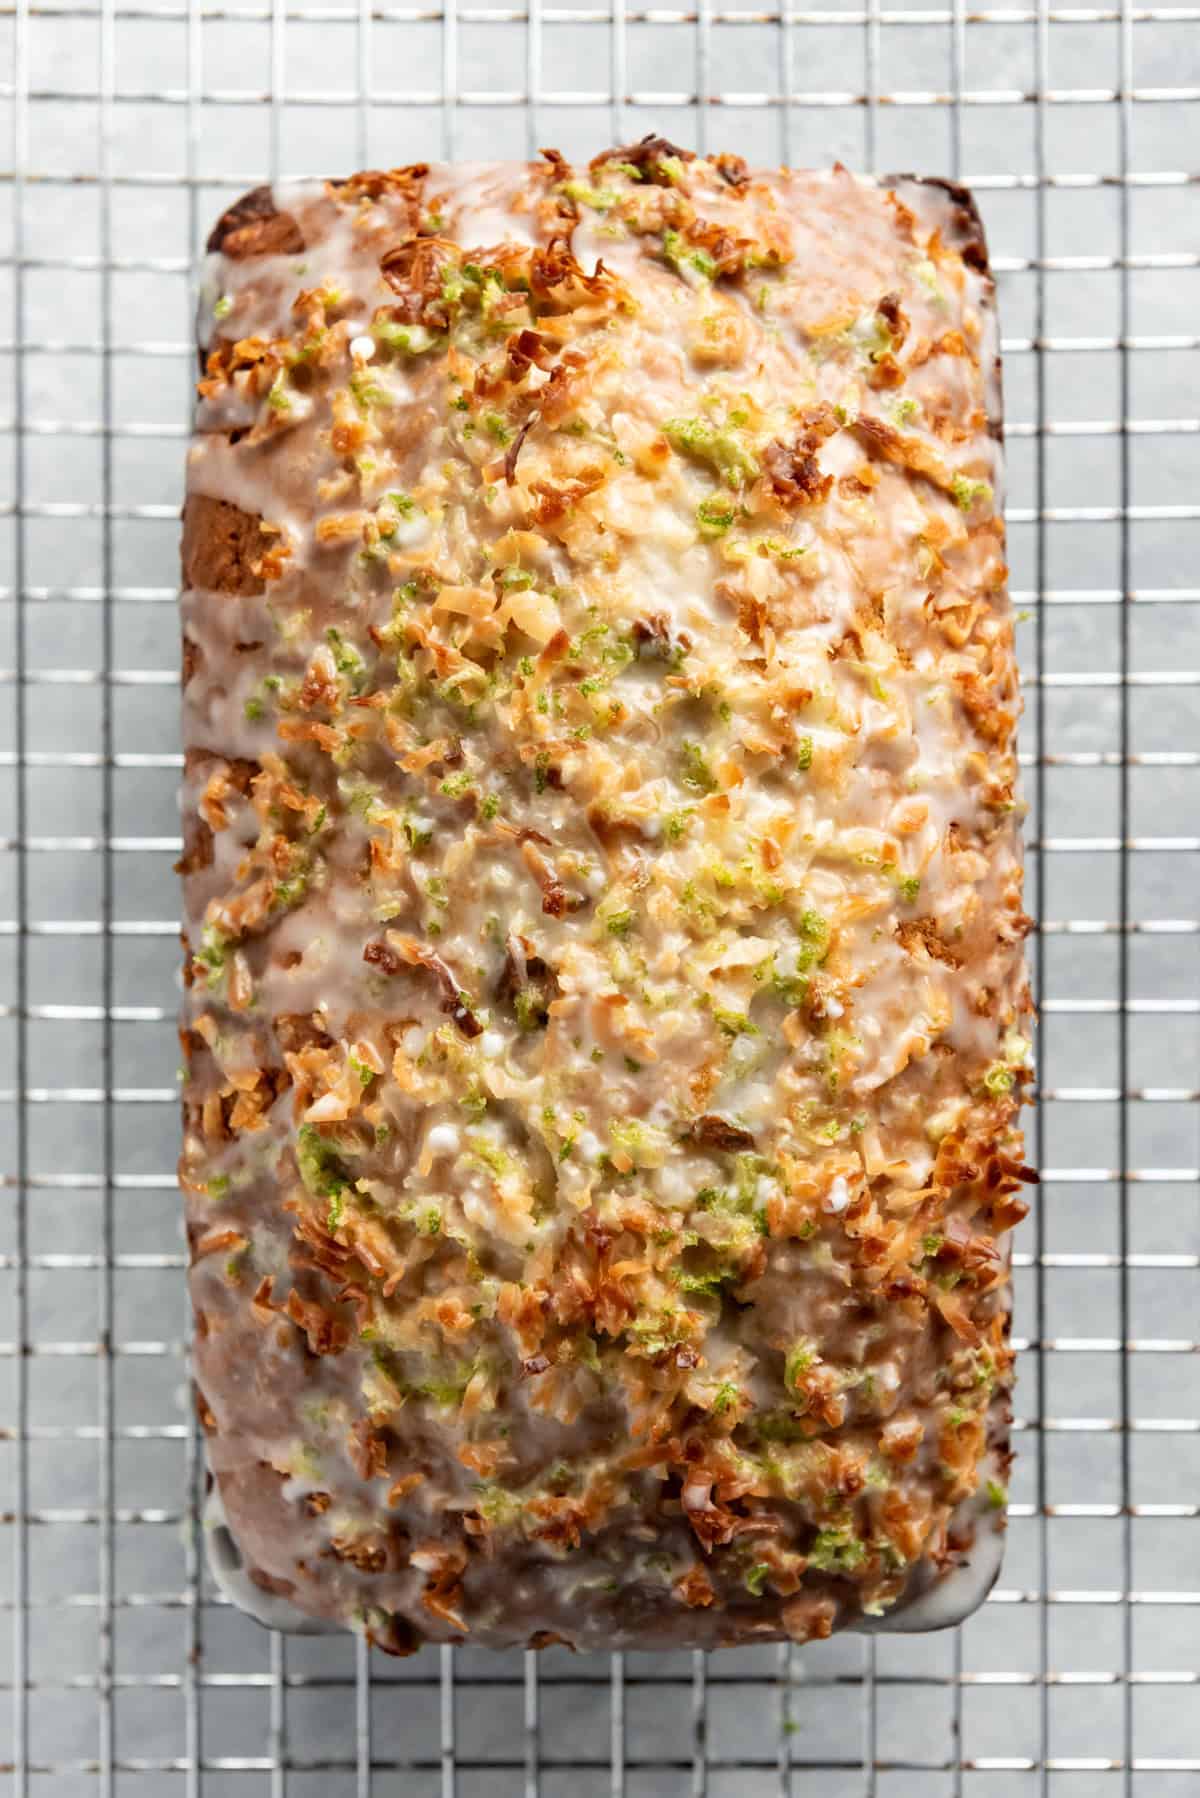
(131,124)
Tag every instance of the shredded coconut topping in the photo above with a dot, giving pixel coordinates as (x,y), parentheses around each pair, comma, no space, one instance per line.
(600,711)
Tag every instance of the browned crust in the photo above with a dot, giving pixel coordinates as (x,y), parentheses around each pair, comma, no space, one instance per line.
(197,847)
(373,184)
(967,234)
(646,155)
(254,226)
(192,659)
(221,547)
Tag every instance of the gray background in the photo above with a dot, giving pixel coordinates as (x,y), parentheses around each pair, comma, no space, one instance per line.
(130,128)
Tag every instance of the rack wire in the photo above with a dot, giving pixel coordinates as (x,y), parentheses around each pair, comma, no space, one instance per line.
(131,125)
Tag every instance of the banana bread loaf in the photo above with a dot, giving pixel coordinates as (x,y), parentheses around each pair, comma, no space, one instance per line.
(605,1016)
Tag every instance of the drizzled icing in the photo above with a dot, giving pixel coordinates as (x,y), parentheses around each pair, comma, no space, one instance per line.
(606,1011)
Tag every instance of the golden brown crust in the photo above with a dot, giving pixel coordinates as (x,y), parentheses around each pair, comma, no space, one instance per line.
(222,547)
(254,226)
(964,229)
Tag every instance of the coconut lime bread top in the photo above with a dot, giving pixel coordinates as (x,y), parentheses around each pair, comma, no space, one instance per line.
(606,1015)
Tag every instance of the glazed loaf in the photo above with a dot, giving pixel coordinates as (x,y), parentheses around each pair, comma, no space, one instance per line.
(605,1016)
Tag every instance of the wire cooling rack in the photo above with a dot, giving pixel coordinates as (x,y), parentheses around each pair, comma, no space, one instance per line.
(131,126)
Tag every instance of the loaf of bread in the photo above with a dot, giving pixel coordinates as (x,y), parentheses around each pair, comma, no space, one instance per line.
(605,1015)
